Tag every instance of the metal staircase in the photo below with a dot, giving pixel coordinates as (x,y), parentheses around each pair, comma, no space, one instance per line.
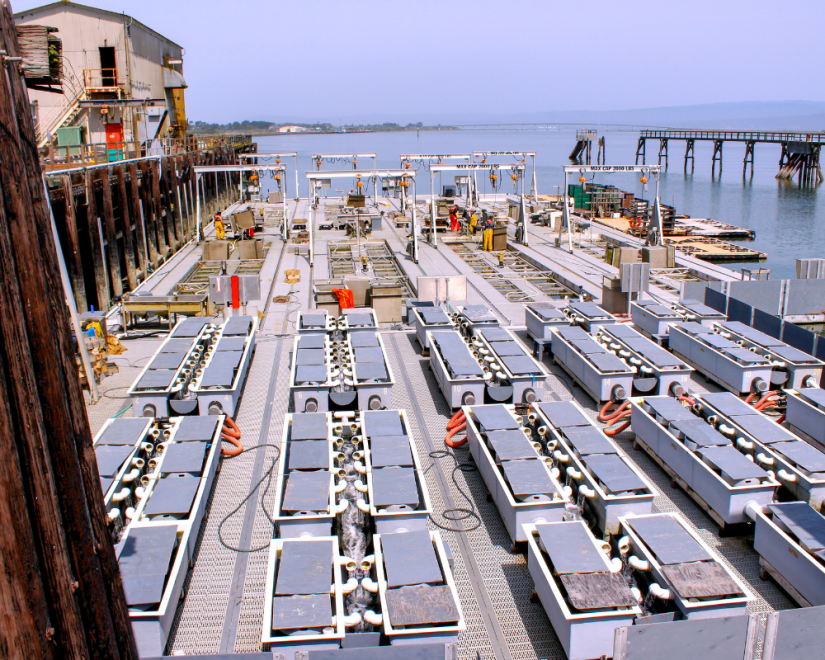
(63,114)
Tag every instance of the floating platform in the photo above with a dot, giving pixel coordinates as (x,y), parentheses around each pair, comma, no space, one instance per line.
(713,249)
(682,226)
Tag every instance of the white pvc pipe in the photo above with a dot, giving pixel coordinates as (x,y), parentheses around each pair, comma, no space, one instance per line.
(340,507)
(369,585)
(359,467)
(638,564)
(764,459)
(362,505)
(615,565)
(587,492)
(624,545)
(753,509)
(659,592)
(561,458)
(745,444)
(349,620)
(360,486)
(350,585)
(573,473)
(373,618)
(341,486)
(786,476)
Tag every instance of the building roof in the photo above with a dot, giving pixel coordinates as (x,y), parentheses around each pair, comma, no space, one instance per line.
(105,12)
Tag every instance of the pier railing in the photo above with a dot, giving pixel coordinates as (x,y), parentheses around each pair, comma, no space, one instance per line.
(735,136)
(56,158)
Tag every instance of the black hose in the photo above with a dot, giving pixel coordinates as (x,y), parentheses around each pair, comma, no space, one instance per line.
(266,476)
(457,513)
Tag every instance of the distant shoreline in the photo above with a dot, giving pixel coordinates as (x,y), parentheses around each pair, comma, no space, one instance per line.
(353,132)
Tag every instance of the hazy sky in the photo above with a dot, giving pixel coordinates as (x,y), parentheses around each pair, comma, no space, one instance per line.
(330,59)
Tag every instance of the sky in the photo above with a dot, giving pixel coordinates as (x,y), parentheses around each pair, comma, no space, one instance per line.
(390,60)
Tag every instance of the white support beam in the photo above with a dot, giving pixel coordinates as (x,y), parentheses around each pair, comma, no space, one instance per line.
(607,169)
(200,170)
(342,174)
(281,154)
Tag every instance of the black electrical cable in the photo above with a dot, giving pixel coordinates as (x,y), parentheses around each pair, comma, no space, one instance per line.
(112,389)
(145,335)
(266,476)
(458,513)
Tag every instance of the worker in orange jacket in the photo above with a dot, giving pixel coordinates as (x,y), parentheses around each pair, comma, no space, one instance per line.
(453,219)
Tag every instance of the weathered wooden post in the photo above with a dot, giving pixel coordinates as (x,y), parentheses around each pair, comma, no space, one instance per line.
(60,589)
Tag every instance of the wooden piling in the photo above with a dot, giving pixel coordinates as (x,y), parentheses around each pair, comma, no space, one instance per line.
(160,216)
(72,251)
(93,222)
(140,224)
(126,226)
(60,588)
(148,214)
(109,233)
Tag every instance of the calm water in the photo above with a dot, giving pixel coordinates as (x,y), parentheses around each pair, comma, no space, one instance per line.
(789,223)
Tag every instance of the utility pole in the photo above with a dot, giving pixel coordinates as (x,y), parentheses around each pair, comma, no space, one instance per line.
(61,590)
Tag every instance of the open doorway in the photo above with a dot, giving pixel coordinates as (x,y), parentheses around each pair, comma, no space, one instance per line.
(108,67)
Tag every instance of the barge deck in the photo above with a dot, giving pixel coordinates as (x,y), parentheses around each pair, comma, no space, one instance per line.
(224,605)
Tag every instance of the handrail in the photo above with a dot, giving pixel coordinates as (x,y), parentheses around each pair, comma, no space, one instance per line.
(92,76)
(59,158)
(737,136)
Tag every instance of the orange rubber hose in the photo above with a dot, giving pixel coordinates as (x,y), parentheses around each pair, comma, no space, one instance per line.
(457,419)
(764,400)
(604,417)
(233,429)
(617,430)
(231,434)
(455,443)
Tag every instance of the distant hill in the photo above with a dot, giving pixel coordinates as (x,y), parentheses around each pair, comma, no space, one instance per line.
(767,115)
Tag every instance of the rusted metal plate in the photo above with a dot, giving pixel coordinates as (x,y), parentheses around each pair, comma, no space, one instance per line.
(421,605)
(701,579)
(596,591)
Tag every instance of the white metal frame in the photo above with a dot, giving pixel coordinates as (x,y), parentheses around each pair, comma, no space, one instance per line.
(605,169)
(523,154)
(318,158)
(474,167)
(200,170)
(284,154)
(424,159)
(338,174)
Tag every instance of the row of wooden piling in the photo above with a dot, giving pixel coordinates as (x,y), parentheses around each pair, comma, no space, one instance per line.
(120,222)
